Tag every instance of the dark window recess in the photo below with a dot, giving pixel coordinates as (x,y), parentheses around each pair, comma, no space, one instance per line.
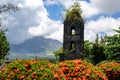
(72,46)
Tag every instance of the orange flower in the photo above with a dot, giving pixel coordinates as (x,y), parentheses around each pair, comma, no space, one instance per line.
(26,65)
(74,78)
(72,75)
(87,74)
(50,66)
(83,72)
(34,73)
(111,69)
(9,76)
(22,77)
(33,61)
(16,70)
(64,69)
(79,79)
(63,64)
(56,76)
(84,78)
(88,71)
(77,62)
(41,68)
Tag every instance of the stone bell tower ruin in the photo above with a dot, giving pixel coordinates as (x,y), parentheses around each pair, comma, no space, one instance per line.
(73,39)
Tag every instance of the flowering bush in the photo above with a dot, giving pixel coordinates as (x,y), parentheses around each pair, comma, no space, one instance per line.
(29,70)
(81,70)
(44,70)
(112,70)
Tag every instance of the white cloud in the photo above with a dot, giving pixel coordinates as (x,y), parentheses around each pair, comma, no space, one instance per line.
(57,34)
(51,2)
(107,6)
(88,9)
(46,28)
(42,14)
(33,3)
(31,20)
(103,24)
(89,35)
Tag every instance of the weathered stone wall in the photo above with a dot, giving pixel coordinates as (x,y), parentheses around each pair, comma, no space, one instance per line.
(77,39)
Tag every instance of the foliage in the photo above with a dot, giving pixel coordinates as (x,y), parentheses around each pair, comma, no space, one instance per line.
(67,70)
(104,48)
(4,45)
(88,50)
(94,51)
(112,70)
(56,53)
(44,70)
(113,46)
(30,70)
(98,51)
(74,13)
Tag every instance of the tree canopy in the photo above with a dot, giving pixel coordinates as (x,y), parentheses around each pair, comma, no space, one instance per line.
(104,48)
(113,45)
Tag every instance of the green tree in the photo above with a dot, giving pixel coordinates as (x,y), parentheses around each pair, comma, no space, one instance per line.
(88,46)
(4,44)
(56,53)
(113,46)
(98,51)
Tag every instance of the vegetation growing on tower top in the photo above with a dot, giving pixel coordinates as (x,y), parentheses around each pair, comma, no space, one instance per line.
(74,13)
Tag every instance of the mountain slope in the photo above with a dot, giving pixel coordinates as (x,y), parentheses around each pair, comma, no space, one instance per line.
(37,44)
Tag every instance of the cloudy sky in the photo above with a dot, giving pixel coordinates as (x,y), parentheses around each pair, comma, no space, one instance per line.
(45,18)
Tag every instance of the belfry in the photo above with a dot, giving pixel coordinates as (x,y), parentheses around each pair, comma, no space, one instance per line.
(73,38)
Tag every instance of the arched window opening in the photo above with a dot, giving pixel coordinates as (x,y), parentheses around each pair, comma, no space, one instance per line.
(72,46)
(72,30)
